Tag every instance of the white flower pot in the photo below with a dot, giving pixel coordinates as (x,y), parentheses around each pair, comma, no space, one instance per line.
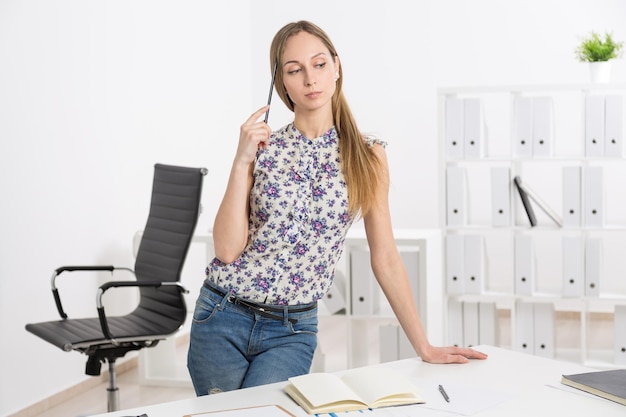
(600,72)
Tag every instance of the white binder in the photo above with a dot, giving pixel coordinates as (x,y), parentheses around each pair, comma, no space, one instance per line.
(455,127)
(474,264)
(543,126)
(388,342)
(594,125)
(364,287)
(523,127)
(335,300)
(455,264)
(524,327)
(455,323)
(573,266)
(474,128)
(571,196)
(593,266)
(488,324)
(470,324)
(544,330)
(405,349)
(524,265)
(500,196)
(457,199)
(614,126)
(594,196)
(410,259)
(620,335)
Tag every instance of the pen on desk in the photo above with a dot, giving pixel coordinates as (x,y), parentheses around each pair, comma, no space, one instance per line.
(444,393)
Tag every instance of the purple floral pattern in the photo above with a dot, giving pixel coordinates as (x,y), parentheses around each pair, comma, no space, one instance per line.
(298,222)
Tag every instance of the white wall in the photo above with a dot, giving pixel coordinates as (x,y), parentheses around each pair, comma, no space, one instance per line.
(93,93)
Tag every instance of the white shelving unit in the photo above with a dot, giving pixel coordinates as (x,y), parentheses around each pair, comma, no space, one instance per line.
(547,280)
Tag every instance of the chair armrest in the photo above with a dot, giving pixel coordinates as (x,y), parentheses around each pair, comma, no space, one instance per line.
(116,284)
(60,270)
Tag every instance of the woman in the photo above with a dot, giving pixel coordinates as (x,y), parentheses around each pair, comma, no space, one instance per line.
(279,231)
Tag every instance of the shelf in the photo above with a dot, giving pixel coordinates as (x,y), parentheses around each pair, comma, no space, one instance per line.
(544,276)
(531,88)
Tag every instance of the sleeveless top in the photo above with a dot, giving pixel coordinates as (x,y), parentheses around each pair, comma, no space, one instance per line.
(297,224)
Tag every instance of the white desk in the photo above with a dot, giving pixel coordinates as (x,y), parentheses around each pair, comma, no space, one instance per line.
(523,377)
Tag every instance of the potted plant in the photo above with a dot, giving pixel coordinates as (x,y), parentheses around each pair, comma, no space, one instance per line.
(598,52)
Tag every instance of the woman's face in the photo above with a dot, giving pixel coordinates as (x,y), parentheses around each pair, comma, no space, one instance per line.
(309,72)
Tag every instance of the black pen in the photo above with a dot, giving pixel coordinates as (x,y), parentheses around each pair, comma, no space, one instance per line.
(444,393)
(269,98)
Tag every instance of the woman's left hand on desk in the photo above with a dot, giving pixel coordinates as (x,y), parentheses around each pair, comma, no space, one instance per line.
(451,354)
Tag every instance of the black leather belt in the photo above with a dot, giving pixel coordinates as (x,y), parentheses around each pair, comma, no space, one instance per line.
(264,310)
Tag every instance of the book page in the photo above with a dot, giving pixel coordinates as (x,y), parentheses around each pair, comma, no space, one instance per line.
(374,384)
(323,388)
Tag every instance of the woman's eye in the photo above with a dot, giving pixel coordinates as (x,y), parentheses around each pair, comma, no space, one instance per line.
(293,71)
(321,65)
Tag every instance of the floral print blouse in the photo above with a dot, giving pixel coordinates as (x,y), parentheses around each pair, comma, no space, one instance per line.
(297,224)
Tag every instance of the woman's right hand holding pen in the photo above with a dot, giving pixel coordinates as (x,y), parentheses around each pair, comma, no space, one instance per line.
(253,135)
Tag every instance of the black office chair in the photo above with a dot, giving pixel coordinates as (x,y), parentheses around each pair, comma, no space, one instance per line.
(161,310)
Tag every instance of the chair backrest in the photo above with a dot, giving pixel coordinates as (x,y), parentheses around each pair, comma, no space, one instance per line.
(174,211)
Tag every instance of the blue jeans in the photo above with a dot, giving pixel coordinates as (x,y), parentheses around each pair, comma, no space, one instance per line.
(232,347)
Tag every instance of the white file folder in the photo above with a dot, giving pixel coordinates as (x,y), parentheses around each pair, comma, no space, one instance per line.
(593,266)
(410,259)
(594,125)
(500,196)
(365,300)
(470,324)
(405,349)
(523,127)
(594,196)
(455,323)
(388,342)
(488,324)
(335,300)
(524,265)
(543,126)
(544,330)
(455,264)
(474,128)
(524,327)
(457,199)
(614,126)
(573,266)
(619,323)
(474,264)
(571,196)
(455,127)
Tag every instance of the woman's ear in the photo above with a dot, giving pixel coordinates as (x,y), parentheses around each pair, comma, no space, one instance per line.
(337,66)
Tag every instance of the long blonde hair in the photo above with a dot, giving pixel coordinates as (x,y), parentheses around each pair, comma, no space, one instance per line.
(359,164)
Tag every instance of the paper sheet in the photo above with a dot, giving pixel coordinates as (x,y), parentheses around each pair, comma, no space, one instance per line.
(260,411)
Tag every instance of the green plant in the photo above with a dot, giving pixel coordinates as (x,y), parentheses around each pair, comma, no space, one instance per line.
(593,48)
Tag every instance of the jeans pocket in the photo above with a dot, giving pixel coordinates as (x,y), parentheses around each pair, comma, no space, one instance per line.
(304,326)
(205,309)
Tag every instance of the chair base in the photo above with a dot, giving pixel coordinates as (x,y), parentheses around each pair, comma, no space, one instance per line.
(110,355)
(113,392)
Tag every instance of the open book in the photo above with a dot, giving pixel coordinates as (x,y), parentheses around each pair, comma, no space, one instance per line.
(357,389)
